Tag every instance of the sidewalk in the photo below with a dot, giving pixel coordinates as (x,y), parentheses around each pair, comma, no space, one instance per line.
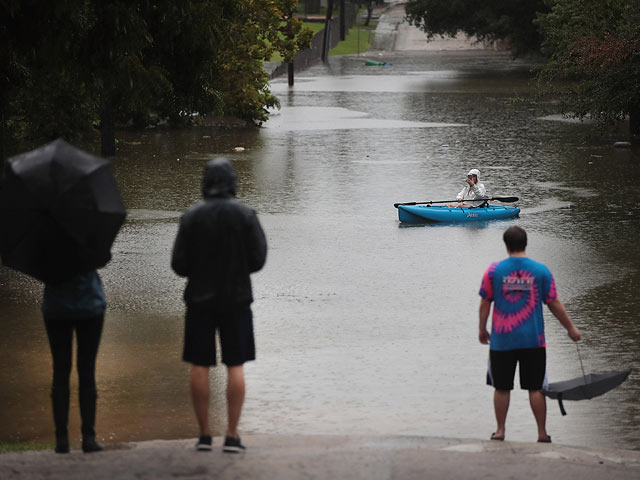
(329,457)
(395,34)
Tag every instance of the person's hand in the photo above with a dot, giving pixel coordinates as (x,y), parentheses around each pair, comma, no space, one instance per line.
(574,334)
(470,181)
(484,336)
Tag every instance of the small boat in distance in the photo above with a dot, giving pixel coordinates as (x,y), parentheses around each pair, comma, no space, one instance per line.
(442,213)
(426,212)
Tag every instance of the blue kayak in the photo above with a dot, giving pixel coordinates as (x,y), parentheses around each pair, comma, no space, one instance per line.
(442,213)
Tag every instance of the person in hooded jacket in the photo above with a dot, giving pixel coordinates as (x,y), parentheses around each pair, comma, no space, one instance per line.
(473,189)
(220,242)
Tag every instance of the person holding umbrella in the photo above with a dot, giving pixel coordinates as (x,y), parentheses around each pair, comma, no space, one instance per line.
(518,286)
(220,242)
(61,210)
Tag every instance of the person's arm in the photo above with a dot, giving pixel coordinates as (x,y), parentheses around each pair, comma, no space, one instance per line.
(257,244)
(460,195)
(179,260)
(483,312)
(479,190)
(558,310)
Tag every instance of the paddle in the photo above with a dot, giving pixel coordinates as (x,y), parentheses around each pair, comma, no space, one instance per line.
(488,199)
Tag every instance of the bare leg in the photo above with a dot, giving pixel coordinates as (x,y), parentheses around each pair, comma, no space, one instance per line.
(235,398)
(501,400)
(200,394)
(539,408)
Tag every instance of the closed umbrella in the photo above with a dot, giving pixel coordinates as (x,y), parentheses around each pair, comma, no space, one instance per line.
(60,211)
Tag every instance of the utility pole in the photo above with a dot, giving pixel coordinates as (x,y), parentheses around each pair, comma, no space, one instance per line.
(290,73)
(343,21)
(290,35)
(326,41)
(358,29)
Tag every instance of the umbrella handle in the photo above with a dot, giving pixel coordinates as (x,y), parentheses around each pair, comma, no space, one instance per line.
(560,404)
(581,365)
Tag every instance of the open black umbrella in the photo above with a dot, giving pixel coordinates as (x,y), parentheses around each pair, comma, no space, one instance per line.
(60,211)
(585,387)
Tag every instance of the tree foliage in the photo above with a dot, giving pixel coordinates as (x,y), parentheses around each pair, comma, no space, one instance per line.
(70,66)
(508,20)
(594,58)
(592,46)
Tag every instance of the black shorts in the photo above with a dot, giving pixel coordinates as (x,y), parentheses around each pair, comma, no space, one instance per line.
(236,335)
(533,368)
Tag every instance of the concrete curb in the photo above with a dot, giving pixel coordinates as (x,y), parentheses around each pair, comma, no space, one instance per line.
(324,456)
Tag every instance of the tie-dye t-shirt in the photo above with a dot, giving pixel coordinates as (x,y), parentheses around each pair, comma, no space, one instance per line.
(517,286)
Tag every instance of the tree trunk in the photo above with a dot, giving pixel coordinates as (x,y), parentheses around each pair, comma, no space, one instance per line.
(369,13)
(343,21)
(107,129)
(326,43)
(634,122)
(2,161)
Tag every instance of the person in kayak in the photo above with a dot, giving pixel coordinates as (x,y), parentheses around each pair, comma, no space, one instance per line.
(518,287)
(473,189)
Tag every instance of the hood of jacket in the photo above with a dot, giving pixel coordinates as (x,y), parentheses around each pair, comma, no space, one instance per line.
(220,179)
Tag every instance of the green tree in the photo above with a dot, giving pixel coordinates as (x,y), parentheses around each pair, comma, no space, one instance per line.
(188,39)
(70,66)
(594,59)
(255,32)
(508,20)
(122,77)
(11,71)
(43,93)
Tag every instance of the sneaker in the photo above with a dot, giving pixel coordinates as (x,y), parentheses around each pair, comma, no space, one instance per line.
(233,445)
(204,443)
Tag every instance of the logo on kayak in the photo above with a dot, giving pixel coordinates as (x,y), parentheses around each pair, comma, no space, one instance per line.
(472,215)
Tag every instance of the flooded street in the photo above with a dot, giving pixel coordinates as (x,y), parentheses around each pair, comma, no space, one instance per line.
(363,326)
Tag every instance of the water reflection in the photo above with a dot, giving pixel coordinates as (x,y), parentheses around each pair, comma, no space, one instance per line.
(362,327)
(333,118)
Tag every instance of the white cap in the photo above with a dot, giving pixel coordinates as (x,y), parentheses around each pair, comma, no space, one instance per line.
(474,171)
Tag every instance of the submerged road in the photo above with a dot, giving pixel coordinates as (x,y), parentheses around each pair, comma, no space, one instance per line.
(337,456)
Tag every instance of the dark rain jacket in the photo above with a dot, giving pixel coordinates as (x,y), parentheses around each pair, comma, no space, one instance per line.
(220,242)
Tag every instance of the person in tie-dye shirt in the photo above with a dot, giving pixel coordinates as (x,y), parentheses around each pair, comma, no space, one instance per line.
(517,287)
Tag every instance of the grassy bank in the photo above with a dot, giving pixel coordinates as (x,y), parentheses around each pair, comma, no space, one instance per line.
(8,447)
(350,44)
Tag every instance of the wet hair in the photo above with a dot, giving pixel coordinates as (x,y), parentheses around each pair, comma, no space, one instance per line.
(515,238)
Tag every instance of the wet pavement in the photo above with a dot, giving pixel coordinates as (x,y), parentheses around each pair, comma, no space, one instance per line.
(329,457)
(395,34)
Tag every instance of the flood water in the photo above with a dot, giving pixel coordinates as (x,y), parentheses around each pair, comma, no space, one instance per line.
(362,325)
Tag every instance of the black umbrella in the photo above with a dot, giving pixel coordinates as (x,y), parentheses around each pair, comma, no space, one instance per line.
(585,387)
(60,211)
